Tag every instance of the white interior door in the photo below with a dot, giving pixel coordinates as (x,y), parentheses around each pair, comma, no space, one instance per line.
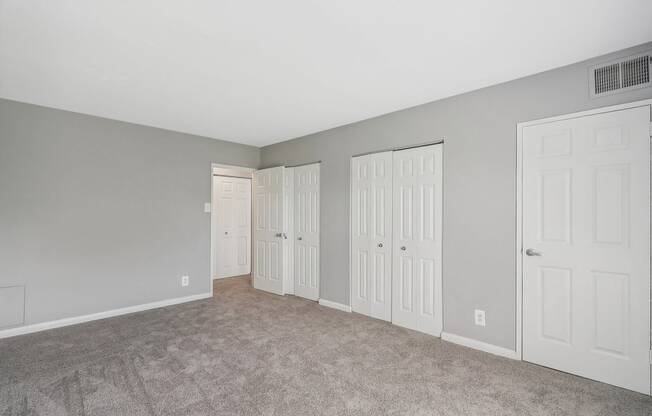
(586,232)
(371,235)
(306,230)
(417,235)
(232,226)
(268,230)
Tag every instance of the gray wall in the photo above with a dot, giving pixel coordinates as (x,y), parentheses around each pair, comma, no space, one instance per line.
(479,129)
(97,214)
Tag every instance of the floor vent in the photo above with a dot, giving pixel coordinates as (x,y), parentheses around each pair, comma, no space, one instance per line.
(619,76)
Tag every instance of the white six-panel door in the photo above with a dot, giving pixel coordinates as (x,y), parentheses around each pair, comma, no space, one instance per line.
(417,239)
(268,230)
(371,231)
(586,242)
(306,231)
(232,226)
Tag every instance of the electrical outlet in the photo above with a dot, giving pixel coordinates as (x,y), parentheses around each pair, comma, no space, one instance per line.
(185,280)
(207,207)
(479,318)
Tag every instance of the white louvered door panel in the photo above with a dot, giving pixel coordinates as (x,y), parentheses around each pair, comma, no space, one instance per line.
(371,241)
(306,230)
(268,273)
(232,226)
(586,212)
(417,239)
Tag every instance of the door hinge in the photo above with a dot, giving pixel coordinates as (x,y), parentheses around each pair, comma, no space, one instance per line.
(650,356)
(650,128)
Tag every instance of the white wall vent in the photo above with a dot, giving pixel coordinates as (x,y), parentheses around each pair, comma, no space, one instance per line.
(622,75)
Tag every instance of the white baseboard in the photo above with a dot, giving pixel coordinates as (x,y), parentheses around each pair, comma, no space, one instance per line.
(28,329)
(335,305)
(479,345)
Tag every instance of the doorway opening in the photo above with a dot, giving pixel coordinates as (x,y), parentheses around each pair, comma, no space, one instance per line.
(231,211)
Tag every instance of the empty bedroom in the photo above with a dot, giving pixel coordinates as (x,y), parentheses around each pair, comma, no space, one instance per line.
(325,208)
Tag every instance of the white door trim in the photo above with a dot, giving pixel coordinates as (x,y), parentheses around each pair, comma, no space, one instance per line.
(350,232)
(519,202)
(232,170)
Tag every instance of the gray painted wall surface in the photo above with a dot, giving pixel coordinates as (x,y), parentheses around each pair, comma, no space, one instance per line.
(479,129)
(98,214)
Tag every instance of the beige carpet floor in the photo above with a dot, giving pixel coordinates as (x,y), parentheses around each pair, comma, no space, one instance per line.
(245,352)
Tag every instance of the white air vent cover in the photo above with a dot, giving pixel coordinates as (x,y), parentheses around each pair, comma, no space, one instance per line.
(622,75)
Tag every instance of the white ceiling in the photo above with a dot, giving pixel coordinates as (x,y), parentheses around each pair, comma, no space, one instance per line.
(261,71)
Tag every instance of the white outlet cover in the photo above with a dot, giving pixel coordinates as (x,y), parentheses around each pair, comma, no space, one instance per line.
(185,280)
(480,317)
(207,207)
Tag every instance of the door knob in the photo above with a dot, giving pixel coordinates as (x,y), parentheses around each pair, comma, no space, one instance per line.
(226,232)
(533,252)
(279,235)
(380,245)
(299,238)
(403,248)
(285,236)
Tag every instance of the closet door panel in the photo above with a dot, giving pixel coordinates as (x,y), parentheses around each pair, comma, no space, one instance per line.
(268,269)
(371,229)
(417,248)
(306,229)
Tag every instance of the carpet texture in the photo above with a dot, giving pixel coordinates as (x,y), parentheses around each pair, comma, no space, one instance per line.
(245,352)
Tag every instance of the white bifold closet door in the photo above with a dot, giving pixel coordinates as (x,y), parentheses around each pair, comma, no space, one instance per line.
(232,226)
(371,235)
(268,273)
(586,242)
(306,231)
(417,239)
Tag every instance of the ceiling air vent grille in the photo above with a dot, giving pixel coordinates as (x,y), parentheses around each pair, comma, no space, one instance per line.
(619,76)
(607,78)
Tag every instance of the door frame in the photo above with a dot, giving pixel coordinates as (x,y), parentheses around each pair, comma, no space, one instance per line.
(220,169)
(519,202)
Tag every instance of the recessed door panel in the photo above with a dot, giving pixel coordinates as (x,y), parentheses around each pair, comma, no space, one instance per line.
(611,204)
(405,282)
(371,230)
(611,300)
(380,262)
(586,223)
(555,291)
(306,229)
(554,211)
(427,287)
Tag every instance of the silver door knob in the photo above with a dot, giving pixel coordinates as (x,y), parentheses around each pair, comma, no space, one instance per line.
(279,235)
(299,238)
(226,232)
(403,248)
(533,252)
(380,245)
